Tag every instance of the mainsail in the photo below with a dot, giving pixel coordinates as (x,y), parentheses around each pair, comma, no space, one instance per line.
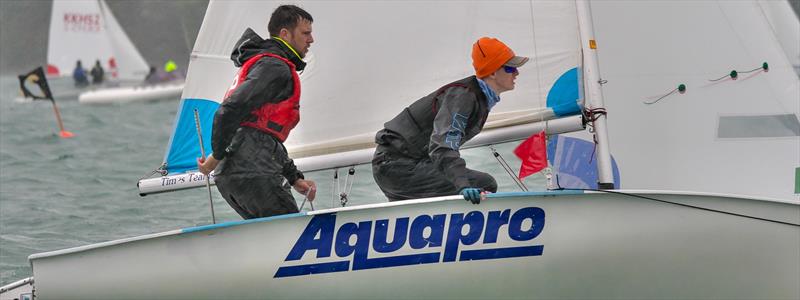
(720,135)
(378,58)
(88,31)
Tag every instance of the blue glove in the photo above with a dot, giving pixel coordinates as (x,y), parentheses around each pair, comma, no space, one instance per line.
(472,194)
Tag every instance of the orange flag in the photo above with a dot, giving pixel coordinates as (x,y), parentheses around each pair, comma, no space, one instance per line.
(533,153)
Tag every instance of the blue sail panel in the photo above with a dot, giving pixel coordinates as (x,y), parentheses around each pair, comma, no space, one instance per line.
(573,162)
(563,96)
(184,147)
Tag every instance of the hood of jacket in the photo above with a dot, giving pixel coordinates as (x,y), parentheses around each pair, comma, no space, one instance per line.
(251,44)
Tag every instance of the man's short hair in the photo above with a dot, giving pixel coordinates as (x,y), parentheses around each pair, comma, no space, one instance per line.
(286,16)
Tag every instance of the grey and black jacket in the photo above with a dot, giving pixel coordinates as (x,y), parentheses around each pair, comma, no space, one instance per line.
(268,81)
(436,126)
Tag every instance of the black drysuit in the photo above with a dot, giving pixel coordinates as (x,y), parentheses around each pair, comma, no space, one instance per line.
(418,151)
(255,173)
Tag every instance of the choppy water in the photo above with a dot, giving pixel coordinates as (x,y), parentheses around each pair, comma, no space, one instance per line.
(59,193)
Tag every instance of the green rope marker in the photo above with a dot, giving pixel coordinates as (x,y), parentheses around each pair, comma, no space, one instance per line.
(682,88)
(734,74)
(765,66)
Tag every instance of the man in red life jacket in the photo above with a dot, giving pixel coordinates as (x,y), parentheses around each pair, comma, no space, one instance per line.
(418,151)
(252,169)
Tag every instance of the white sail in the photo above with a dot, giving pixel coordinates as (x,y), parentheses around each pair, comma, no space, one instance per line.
(389,66)
(737,136)
(130,63)
(87,31)
(786,26)
(396,65)
(76,33)
(727,136)
(362,60)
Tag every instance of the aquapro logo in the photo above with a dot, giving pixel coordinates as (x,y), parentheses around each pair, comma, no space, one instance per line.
(428,237)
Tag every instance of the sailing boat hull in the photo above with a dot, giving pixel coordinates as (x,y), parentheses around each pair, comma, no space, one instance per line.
(513,245)
(132,94)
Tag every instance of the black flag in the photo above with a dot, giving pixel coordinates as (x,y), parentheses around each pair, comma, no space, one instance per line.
(37,79)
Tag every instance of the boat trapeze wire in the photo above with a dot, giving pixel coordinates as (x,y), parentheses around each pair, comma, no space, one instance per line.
(508,169)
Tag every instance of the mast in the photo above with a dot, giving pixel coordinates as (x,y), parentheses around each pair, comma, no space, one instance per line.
(594,93)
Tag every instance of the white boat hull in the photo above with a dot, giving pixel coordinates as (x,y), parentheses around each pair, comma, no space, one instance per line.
(565,245)
(132,94)
(19,290)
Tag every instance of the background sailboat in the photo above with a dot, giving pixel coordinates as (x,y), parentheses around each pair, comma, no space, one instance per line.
(87,31)
(561,244)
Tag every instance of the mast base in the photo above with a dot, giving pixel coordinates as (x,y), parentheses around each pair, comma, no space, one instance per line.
(605,185)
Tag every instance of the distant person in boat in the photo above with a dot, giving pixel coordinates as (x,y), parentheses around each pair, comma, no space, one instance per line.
(156,77)
(170,71)
(152,76)
(97,73)
(253,171)
(418,151)
(79,75)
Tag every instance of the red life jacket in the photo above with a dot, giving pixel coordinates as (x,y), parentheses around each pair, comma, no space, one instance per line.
(277,119)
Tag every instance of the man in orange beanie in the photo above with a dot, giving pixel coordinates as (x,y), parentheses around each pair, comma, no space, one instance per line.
(418,151)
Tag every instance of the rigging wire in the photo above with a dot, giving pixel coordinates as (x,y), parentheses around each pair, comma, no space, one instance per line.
(335,186)
(351,178)
(536,57)
(305,198)
(508,169)
(682,204)
(203,154)
(161,170)
(343,190)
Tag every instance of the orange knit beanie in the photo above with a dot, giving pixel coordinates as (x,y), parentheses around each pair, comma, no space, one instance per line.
(488,55)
